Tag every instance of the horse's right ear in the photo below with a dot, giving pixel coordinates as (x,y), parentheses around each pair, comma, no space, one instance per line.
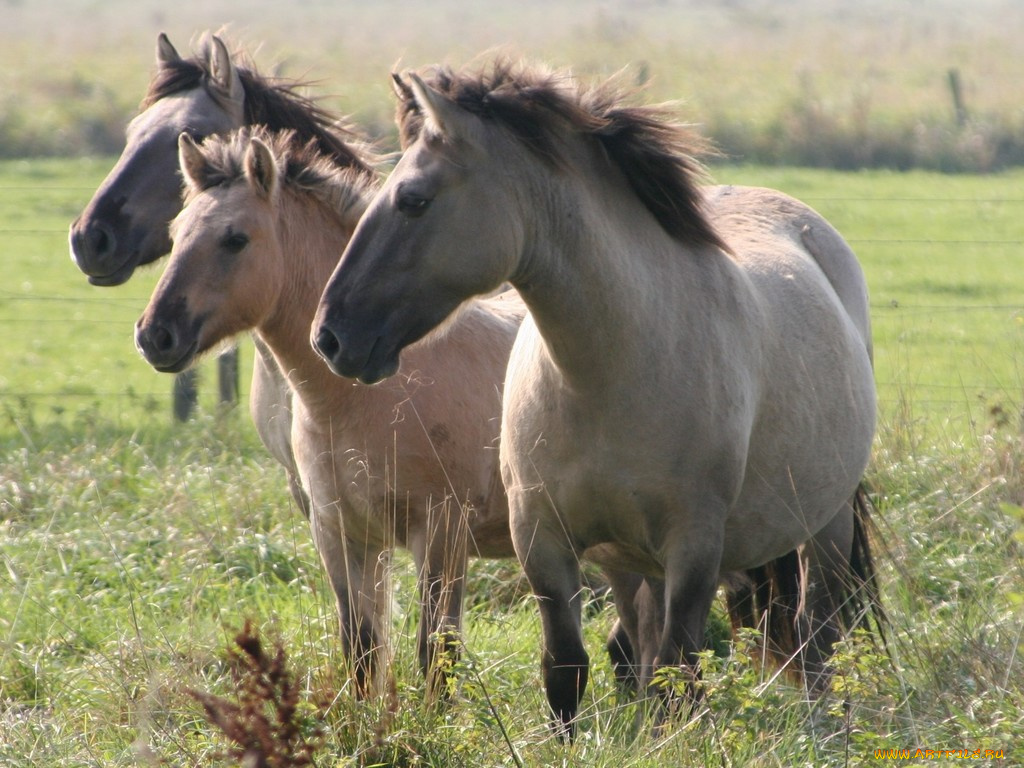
(225,73)
(261,168)
(166,54)
(439,110)
(190,158)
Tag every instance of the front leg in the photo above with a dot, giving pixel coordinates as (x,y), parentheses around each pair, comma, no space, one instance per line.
(359,579)
(553,570)
(691,581)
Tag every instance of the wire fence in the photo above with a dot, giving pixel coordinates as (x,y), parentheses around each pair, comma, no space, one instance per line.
(949,335)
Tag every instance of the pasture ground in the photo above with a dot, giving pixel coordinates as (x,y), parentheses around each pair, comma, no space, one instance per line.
(132,549)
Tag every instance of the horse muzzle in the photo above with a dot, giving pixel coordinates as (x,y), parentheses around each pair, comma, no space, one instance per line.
(369,362)
(165,347)
(94,249)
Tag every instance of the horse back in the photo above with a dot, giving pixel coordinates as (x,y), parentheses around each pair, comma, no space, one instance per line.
(753,218)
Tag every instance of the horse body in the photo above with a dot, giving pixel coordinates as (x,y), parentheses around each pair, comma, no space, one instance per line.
(738,424)
(692,393)
(412,462)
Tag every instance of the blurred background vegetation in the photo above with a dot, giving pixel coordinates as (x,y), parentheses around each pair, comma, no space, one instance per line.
(824,83)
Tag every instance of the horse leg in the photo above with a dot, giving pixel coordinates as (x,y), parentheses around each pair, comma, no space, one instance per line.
(623,641)
(298,493)
(552,568)
(441,575)
(357,590)
(691,582)
(826,563)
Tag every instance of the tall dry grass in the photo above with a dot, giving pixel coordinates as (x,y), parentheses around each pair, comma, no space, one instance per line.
(831,84)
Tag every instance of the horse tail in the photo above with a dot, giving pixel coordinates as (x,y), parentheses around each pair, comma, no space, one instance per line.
(770,597)
(863,605)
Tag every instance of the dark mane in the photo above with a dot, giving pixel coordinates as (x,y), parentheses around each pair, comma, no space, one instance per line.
(273,103)
(656,154)
(302,165)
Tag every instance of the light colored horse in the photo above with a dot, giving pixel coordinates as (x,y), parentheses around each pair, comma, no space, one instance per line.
(692,393)
(413,462)
(125,224)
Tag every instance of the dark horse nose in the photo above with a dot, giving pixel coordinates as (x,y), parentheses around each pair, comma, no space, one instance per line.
(92,245)
(326,344)
(157,342)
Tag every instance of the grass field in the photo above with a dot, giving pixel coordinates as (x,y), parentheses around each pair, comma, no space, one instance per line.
(827,82)
(132,549)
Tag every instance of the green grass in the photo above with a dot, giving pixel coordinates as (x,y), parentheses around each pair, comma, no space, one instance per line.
(826,83)
(942,259)
(132,549)
(68,349)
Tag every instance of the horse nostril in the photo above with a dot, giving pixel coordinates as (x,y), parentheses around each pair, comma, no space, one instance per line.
(161,338)
(92,242)
(154,340)
(103,240)
(326,343)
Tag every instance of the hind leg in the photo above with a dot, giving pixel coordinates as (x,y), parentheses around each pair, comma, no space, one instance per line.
(441,569)
(825,559)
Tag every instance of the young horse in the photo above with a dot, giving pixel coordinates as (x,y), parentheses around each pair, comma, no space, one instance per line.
(413,462)
(125,224)
(692,392)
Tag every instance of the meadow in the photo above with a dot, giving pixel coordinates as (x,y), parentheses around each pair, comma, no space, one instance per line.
(134,548)
(810,82)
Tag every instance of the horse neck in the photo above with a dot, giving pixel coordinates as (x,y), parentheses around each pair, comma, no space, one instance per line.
(311,239)
(593,281)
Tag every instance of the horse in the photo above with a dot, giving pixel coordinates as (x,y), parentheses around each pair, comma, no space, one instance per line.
(412,463)
(125,224)
(692,392)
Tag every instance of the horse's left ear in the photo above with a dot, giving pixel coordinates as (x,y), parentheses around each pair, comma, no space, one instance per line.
(261,168)
(438,109)
(190,158)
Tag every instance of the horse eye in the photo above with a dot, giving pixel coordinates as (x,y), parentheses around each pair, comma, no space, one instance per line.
(234,242)
(413,205)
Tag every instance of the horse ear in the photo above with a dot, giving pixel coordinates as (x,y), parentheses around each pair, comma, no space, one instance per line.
(190,158)
(224,72)
(261,168)
(166,54)
(401,88)
(439,110)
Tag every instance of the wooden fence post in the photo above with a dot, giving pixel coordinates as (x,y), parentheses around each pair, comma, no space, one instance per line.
(227,379)
(186,385)
(186,393)
(957,91)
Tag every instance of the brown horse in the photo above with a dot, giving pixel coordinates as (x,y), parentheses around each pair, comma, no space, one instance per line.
(692,392)
(125,224)
(412,462)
